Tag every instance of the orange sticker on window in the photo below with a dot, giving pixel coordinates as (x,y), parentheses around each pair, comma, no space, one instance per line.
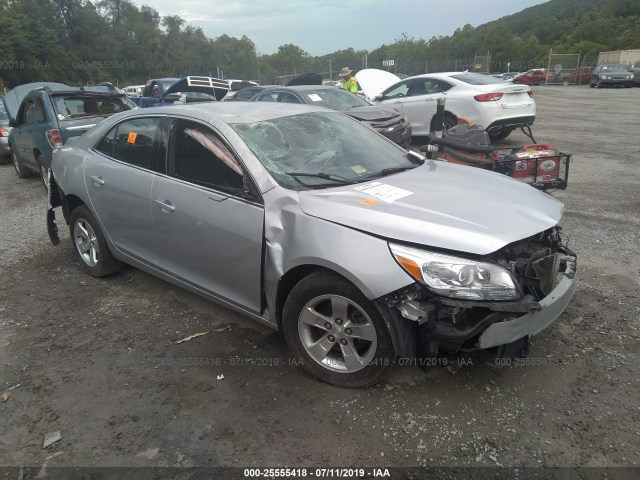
(369,201)
(132,137)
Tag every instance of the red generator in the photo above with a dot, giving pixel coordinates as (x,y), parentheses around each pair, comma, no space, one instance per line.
(537,163)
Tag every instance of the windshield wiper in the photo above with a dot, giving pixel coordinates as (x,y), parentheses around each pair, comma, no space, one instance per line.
(324,176)
(389,171)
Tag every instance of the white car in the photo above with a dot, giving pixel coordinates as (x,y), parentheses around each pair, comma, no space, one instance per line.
(498,106)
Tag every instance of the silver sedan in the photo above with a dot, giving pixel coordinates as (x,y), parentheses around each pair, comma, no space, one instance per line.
(304,219)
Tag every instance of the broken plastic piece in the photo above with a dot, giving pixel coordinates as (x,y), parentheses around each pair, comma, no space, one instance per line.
(51,437)
(186,339)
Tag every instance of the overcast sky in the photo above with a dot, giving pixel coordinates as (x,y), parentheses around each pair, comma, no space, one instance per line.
(324,26)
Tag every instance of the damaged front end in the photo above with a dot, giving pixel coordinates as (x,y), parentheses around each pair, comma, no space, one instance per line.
(501,300)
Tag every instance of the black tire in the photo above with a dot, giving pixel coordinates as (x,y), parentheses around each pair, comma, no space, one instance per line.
(501,135)
(44,173)
(327,294)
(21,170)
(591,85)
(96,259)
(599,85)
(449,121)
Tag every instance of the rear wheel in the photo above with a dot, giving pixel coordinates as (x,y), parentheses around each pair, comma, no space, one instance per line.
(90,245)
(44,173)
(502,134)
(337,332)
(21,170)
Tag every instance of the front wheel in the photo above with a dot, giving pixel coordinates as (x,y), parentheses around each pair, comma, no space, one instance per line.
(90,245)
(338,333)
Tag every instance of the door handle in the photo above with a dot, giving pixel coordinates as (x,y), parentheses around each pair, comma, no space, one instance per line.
(97,181)
(165,206)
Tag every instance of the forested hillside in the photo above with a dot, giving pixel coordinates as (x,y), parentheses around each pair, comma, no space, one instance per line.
(79,41)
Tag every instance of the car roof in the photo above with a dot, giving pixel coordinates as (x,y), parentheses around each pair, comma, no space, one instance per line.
(230,112)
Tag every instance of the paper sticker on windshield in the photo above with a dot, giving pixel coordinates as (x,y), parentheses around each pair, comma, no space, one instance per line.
(386,193)
(132,137)
(315,97)
(359,169)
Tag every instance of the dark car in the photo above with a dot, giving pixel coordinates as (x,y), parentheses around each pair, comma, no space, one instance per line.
(635,69)
(5,129)
(245,94)
(45,115)
(167,91)
(611,74)
(385,120)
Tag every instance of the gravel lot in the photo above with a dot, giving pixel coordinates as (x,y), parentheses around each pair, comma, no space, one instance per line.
(96,360)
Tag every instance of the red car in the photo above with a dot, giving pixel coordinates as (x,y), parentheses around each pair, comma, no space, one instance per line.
(535,76)
(577,77)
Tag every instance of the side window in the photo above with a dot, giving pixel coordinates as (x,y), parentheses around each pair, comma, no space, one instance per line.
(199,156)
(41,116)
(106,144)
(28,112)
(136,142)
(397,91)
(288,98)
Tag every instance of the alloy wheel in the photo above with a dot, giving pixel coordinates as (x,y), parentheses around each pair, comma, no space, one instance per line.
(337,333)
(86,242)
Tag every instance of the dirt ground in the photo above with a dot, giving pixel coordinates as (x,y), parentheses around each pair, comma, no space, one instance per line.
(96,359)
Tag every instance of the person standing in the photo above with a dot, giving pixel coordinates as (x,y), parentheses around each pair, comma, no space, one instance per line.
(350,83)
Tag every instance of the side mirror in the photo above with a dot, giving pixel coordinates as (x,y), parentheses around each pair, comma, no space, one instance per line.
(378,97)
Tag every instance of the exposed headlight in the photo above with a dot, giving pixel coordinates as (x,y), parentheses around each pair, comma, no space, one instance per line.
(632,76)
(456,277)
(604,77)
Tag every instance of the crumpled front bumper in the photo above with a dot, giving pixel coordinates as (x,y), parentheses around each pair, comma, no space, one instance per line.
(535,321)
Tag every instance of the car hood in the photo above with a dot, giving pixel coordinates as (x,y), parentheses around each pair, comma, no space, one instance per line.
(209,85)
(13,99)
(439,205)
(373,81)
(369,114)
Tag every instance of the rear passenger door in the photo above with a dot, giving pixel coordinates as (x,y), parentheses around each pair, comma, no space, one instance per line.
(209,217)
(119,174)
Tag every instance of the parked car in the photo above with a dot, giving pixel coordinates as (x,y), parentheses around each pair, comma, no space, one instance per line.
(384,119)
(45,115)
(309,222)
(535,76)
(497,106)
(580,76)
(635,69)
(236,85)
(5,129)
(613,75)
(245,94)
(134,90)
(302,79)
(167,91)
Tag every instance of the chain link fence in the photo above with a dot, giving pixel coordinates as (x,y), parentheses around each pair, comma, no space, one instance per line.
(562,68)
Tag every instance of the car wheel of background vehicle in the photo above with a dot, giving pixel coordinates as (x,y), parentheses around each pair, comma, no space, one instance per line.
(338,333)
(21,170)
(90,245)
(44,175)
(502,134)
(591,85)
(449,121)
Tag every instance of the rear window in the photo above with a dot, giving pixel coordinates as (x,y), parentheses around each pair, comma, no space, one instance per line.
(476,79)
(77,106)
(334,98)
